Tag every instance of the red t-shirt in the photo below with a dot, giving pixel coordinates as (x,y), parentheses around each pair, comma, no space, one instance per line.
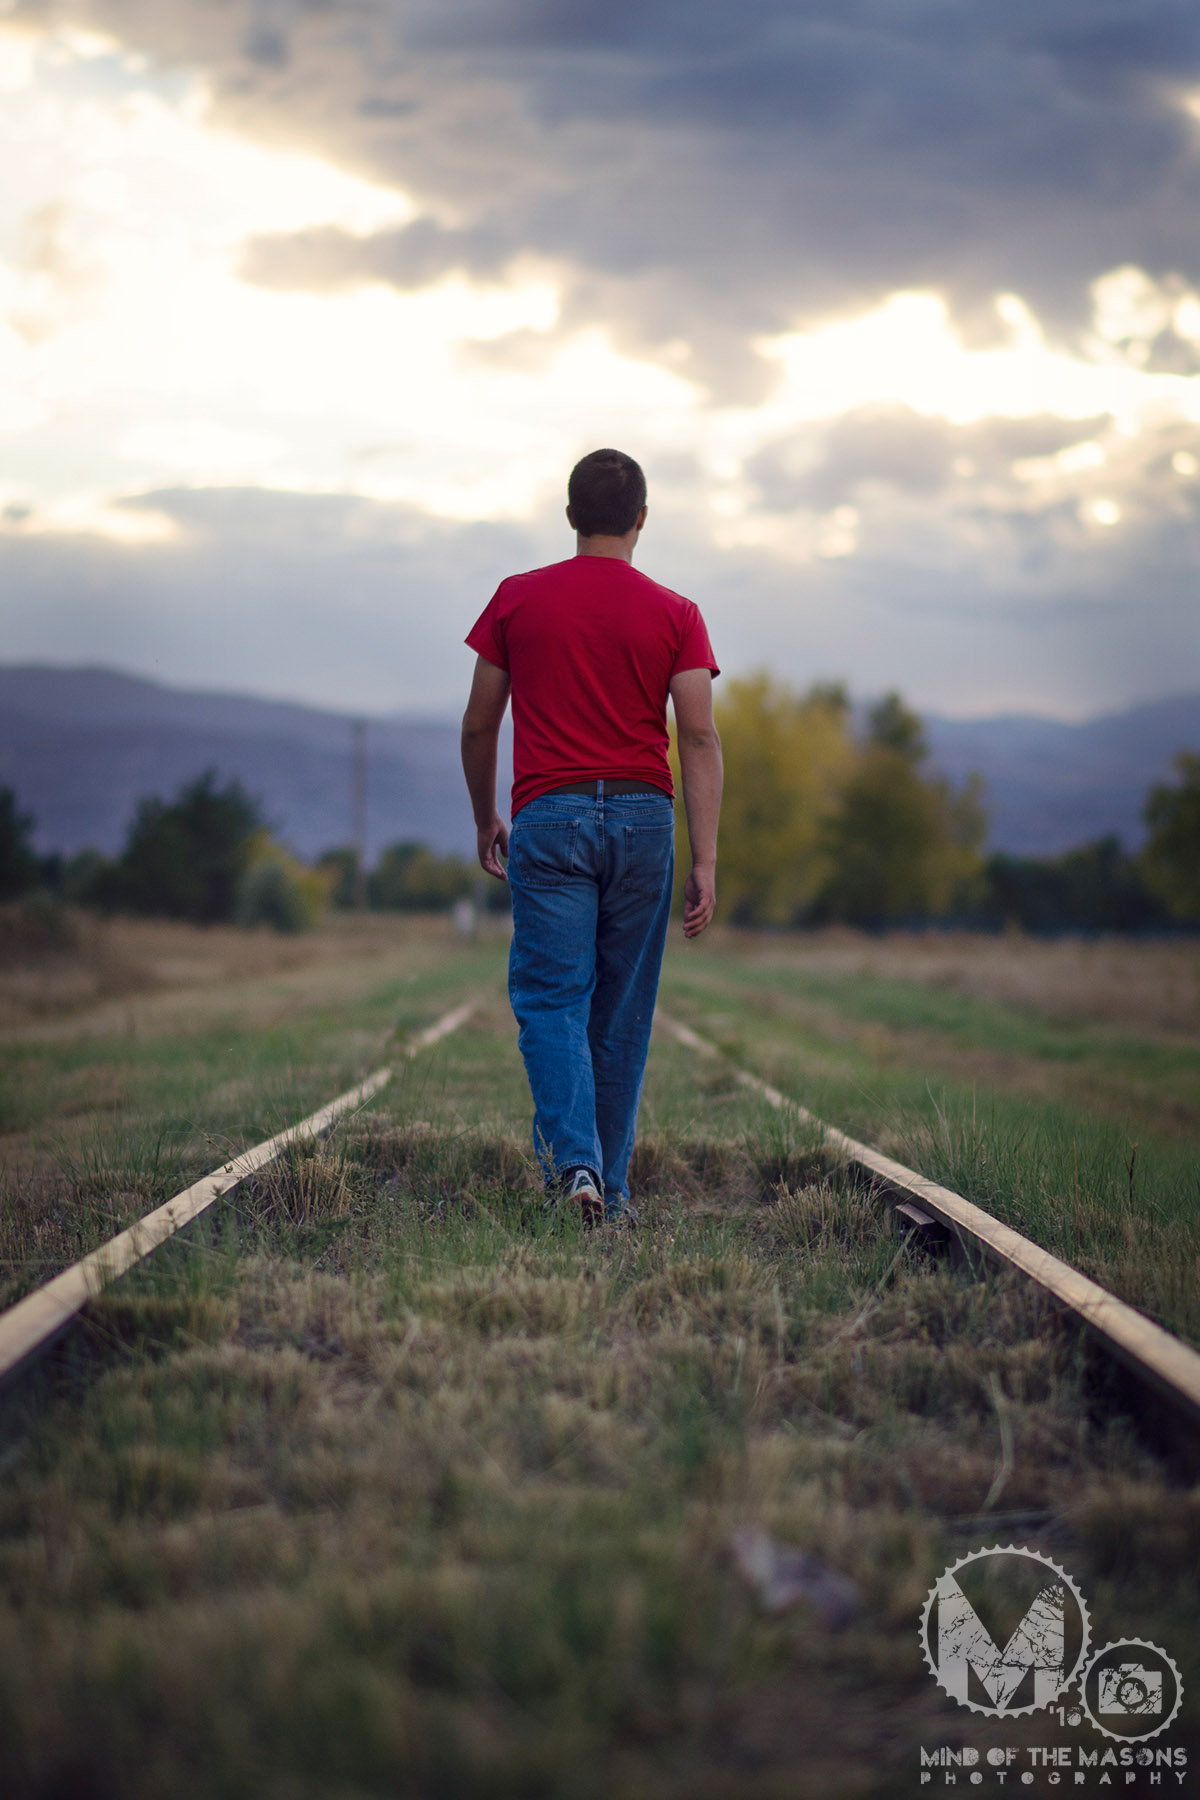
(591,645)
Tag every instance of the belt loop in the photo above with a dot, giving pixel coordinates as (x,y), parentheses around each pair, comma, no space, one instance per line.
(599,788)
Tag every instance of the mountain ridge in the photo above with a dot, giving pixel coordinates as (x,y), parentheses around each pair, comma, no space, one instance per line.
(81,745)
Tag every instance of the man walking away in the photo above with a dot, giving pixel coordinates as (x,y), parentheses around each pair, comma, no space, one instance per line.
(589,649)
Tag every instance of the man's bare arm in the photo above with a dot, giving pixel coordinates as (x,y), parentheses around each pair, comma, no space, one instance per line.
(700,765)
(480,735)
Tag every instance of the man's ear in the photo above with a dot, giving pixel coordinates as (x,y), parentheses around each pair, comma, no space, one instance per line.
(641,518)
(570,518)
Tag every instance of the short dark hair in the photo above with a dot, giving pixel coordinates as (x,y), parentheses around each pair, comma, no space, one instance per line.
(607,491)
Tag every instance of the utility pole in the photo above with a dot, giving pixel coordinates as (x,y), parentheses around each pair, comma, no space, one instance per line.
(359,806)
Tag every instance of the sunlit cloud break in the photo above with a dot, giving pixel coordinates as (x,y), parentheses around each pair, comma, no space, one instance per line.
(149,343)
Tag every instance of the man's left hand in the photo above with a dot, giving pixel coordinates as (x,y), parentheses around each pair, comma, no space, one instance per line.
(492,843)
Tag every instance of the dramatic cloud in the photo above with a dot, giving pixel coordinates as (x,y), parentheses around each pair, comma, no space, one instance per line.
(354,603)
(899,300)
(726,173)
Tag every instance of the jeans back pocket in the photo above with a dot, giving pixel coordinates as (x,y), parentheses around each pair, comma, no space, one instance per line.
(649,857)
(542,853)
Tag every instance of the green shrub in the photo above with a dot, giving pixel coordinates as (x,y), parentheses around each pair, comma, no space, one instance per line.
(413,878)
(277,890)
(184,860)
(19,867)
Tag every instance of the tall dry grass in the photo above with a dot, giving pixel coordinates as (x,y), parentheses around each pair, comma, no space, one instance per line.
(392,1481)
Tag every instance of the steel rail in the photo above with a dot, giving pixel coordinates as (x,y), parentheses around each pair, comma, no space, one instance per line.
(1153,1355)
(34,1322)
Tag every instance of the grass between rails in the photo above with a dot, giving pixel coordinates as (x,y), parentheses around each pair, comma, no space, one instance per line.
(387,1482)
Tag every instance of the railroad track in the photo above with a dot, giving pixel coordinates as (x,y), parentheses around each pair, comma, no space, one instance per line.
(1159,1362)
(30,1327)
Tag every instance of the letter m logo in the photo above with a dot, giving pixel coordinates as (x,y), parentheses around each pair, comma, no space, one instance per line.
(964,1642)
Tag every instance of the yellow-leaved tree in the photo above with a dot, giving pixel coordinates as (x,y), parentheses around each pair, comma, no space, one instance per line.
(277,889)
(786,756)
(818,825)
(902,844)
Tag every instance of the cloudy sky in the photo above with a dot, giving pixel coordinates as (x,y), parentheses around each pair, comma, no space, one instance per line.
(307,308)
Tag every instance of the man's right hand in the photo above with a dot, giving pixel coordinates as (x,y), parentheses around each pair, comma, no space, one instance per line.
(492,843)
(700,897)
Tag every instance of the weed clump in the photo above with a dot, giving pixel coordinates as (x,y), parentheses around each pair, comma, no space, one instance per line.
(310,1181)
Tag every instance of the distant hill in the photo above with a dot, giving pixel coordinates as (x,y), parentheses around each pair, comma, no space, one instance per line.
(1051,785)
(81,746)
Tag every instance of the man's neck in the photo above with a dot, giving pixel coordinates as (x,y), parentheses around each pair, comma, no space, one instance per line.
(620,549)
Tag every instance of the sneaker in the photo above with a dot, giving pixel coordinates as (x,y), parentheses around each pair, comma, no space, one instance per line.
(625,1220)
(582,1188)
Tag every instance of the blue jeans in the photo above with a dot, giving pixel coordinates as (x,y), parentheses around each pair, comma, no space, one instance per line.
(591,894)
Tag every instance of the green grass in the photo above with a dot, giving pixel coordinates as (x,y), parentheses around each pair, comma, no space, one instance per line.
(1143,1079)
(1120,1201)
(181,1100)
(386,1481)
(963,1019)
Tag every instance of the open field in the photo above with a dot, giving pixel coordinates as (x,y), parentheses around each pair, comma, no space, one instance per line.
(387,1482)
(1082,1136)
(1145,988)
(95,975)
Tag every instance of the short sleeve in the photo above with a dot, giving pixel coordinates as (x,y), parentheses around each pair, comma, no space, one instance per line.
(695,651)
(486,635)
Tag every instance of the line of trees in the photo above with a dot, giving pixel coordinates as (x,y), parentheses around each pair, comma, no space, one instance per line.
(1100,886)
(207,856)
(820,824)
(409,877)
(823,824)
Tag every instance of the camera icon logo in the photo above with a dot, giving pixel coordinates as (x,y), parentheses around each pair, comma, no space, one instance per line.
(1130,1688)
(1131,1696)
